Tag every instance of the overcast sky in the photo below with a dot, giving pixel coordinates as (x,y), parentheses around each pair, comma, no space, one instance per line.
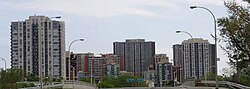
(101,22)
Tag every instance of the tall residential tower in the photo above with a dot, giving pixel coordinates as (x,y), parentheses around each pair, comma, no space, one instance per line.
(38,46)
(195,58)
(138,55)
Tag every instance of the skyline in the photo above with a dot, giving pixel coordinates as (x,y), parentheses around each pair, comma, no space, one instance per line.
(104,22)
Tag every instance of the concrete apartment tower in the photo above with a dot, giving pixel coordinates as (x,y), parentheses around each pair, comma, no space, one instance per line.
(195,58)
(38,46)
(138,55)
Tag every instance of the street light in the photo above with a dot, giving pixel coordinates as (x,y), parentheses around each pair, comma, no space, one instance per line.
(185,32)
(178,31)
(215,39)
(70,53)
(175,72)
(57,17)
(179,63)
(4,62)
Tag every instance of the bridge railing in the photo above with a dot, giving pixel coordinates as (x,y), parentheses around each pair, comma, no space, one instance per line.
(237,85)
(230,84)
(78,82)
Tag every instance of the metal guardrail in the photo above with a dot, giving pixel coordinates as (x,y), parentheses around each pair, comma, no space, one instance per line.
(238,85)
(61,84)
(230,84)
(188,79)
(79,83)
(47,86)
(188,82)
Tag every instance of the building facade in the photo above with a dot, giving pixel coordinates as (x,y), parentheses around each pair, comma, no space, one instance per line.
(161,58)
(150,75)
(112,69)
(194,57)
(165,73)
(38,46)
(178,53)
(114,59)
(88,65)
(79,64)
(213,60)
(94,67)
(137,54)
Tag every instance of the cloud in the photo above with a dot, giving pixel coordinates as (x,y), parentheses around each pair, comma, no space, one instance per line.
(102,8)
(99,8)
(207,2)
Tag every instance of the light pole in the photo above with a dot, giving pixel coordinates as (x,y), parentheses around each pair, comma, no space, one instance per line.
(57,17)
(91,70)
(185,32)
(70,53)
(215,39)
(4,62)
(175,72)
(178,31)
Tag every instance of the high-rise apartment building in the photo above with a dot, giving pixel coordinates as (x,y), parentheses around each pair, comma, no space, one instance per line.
(38,46)
(195,58)
(178,53)
(138,55)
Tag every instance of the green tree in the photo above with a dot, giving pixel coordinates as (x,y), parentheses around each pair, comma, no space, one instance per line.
(235,34)
(10,77)
(120,81)
(235,31)
(88,80)
(32,77)
(47,80)
(210,76)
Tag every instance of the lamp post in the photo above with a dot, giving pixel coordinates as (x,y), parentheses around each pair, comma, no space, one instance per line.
(175,72)
(215,39)
(185,32)
(70,53)
(180,64)
(4,62)
(178,31)
(91,71)
(57,17)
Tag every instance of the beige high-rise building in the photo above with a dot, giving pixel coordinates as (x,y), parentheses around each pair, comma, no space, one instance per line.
(38,46)
(195,58)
